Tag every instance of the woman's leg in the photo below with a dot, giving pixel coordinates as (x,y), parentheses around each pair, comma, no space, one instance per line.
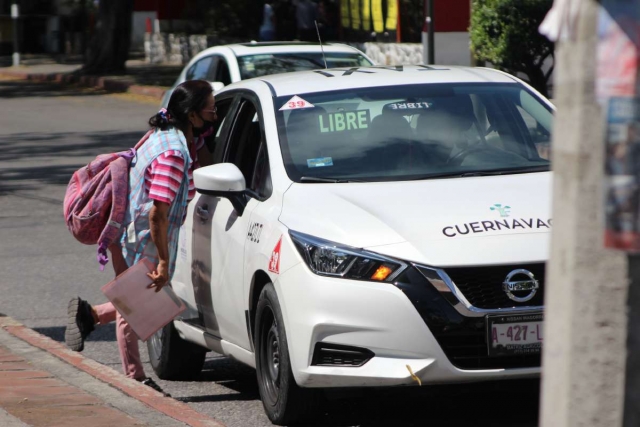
(104,313)
(129,351)
(127,339)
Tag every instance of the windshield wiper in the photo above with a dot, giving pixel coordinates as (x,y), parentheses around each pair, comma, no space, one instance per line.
(491,172)
(326,180)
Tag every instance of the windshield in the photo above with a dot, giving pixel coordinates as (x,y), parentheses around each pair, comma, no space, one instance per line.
(275,63)
(413,132)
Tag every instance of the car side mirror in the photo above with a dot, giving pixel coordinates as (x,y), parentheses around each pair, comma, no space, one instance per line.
(216,86)
(222,180)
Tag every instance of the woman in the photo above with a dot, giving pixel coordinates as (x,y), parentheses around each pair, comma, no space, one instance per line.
(160,187)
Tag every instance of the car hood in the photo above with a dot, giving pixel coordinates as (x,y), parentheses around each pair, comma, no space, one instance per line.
(441,222)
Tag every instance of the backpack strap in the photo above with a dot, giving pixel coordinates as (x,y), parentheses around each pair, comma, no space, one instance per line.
(144,139)
(102,256)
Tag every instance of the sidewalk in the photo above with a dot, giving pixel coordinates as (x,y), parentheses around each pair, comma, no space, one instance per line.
(42,383)
(141,78)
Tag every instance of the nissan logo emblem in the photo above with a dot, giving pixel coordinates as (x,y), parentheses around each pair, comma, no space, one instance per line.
(520,281)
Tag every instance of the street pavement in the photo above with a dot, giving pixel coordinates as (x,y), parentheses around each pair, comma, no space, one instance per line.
(46,133)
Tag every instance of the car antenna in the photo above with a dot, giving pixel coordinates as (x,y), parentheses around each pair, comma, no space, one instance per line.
(321,48)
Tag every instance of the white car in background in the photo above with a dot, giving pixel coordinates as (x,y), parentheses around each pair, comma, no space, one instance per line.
(223,65)
(367,227)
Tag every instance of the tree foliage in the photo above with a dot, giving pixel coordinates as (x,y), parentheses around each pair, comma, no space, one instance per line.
(227,19)
(505,33)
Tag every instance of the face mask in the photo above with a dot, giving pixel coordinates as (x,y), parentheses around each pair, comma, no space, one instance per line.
(206,128)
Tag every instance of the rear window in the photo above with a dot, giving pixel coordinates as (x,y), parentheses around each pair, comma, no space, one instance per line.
(260,65)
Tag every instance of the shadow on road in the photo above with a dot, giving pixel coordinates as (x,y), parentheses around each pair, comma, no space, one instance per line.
(231,397)
(511,403)
(153,75)
(101,333)
(26,89)
(38,151)
(37,145)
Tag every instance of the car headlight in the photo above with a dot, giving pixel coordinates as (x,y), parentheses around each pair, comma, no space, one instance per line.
(332,259)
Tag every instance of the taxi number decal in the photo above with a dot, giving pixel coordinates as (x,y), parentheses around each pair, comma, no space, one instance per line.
(296,103)
(409,105)
(343,121)
(255,230)
(274,262)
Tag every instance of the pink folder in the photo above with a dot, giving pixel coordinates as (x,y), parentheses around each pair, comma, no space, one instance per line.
(144,309)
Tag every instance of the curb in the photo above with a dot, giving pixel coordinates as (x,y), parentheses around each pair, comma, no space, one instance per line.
(110,85)
(168,406)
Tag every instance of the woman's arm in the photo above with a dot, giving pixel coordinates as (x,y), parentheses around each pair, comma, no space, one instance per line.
(159,223)
(204,156)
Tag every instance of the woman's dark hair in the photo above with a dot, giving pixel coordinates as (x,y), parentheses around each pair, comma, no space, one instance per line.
(188,96)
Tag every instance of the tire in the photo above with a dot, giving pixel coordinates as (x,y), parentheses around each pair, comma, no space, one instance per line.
(173,358)
(284,401)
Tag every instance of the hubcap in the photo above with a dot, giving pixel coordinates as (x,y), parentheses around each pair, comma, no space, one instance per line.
(272,341)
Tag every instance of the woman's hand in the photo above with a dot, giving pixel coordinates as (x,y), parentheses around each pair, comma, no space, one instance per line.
(160,276)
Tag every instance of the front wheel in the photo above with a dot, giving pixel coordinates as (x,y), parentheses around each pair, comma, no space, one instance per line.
(284,401)
(173,358)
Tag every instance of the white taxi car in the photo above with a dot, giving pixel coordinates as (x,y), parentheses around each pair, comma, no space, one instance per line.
(226,64)
(381,226)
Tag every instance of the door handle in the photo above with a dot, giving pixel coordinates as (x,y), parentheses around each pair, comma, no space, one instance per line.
(203,213)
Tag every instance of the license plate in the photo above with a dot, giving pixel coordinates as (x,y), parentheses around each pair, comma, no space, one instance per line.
(518,334)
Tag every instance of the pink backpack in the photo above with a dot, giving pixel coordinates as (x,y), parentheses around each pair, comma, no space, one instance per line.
(96,199)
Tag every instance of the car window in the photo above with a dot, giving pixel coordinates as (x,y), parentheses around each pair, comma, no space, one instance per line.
(224,114)
(200,69)
(247,150)
(538,130)
(413,132)
(264,64)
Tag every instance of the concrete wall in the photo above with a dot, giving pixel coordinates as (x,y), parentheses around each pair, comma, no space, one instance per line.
(172,48)
(450,49)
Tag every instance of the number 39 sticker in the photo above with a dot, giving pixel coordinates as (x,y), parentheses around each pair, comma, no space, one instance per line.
(295,103)
(274,262)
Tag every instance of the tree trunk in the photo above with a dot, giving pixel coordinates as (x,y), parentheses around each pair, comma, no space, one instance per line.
(109,48)
(537,79)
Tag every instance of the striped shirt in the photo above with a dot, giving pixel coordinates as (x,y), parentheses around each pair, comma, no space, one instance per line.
(163,177)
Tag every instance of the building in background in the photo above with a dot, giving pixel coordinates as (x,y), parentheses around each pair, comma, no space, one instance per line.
(35,19)
(65,26)
(404,21)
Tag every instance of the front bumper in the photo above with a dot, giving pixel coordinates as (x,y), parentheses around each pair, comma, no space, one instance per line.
(394,321)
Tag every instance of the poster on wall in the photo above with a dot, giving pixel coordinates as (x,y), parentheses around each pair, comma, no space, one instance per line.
(622,174)
(617,91)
